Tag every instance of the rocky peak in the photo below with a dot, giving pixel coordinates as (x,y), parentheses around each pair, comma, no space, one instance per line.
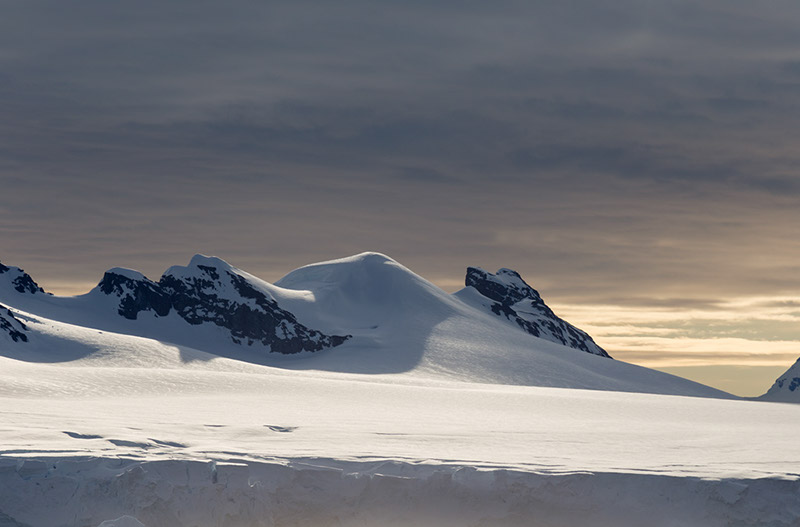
(506,287)
(20,280)
(509,296)
(209,290)
(135,291)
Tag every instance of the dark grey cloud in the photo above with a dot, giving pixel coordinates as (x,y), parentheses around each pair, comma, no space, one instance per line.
(607,150)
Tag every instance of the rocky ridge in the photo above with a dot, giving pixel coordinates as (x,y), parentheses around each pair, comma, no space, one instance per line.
(211,291)
(509,296)
(20,280)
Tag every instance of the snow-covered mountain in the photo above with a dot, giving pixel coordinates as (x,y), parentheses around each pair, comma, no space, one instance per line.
(364,314)
(787,387)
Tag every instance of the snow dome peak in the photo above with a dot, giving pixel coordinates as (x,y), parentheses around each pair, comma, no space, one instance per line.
(368,276)
(209,261)
(124,272)
(201,264)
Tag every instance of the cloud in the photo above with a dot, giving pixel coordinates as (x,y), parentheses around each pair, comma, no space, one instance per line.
(616,153)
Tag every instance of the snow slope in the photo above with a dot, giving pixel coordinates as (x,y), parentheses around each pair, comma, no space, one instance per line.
(179,438)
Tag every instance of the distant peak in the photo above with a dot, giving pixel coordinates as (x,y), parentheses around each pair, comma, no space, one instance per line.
(516,301)
(20,280)
(365,258)
(202,265)
(504,271)
(500,286)
(373,256)
(786,387)
(130,274)
(209,261)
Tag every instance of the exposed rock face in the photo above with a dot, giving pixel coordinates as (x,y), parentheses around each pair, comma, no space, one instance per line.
(791,384)
(136,293)
(509,296)
(12,326)
(214,292)
(20,280)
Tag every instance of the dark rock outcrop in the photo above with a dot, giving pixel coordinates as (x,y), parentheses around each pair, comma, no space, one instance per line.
(216,294)
(509,296)
(791,384)
(20,280)
(136,293)
(12,326)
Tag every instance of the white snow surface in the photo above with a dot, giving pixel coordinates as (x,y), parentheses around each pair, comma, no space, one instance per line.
(432,415)
(123,521)
(175,437)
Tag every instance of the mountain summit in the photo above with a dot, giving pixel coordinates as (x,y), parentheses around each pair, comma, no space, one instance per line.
(508,296)
(18,280)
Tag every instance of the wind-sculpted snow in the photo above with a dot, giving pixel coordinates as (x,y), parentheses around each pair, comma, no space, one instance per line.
(122,521)
(11,326)
(211,291)
(103,492)
(507,295)
(225,444)
(19,280)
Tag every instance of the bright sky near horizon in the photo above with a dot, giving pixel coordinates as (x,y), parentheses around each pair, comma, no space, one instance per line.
(636,162)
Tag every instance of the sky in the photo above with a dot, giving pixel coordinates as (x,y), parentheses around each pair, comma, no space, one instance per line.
(636,161)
